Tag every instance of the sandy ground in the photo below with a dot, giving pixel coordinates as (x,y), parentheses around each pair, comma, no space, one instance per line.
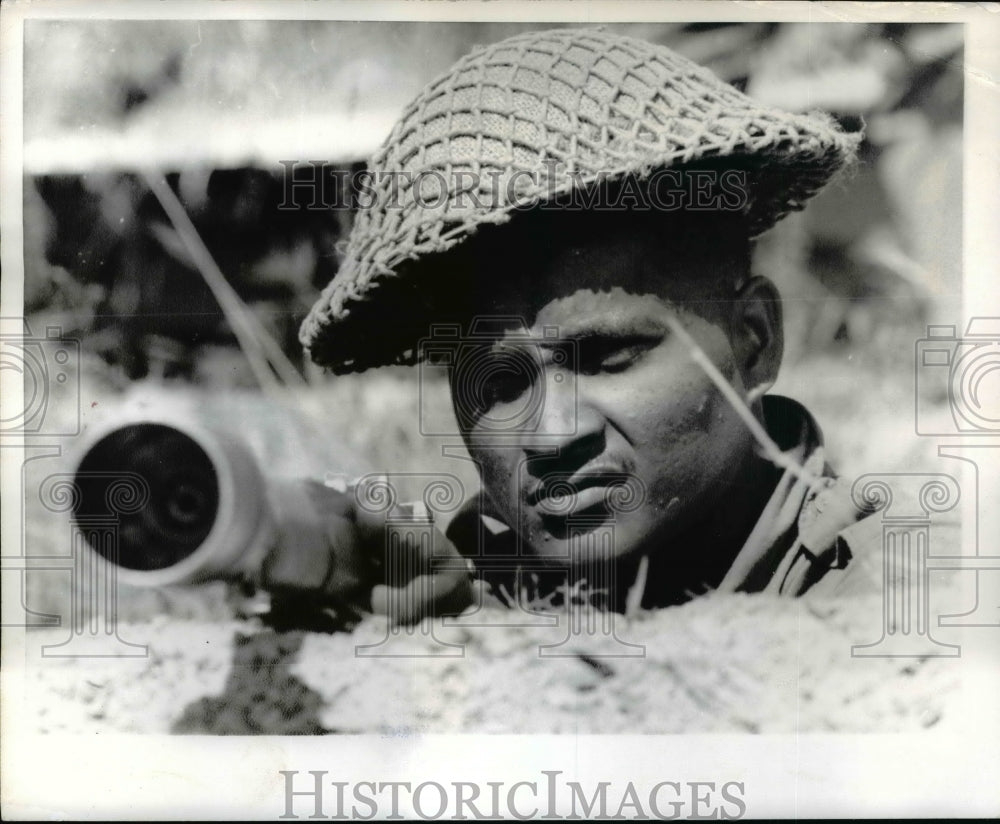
(720,663)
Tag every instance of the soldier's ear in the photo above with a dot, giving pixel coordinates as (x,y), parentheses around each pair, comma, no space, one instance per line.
(758,337)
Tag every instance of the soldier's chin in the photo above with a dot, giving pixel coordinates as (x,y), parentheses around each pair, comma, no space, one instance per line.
(579,542)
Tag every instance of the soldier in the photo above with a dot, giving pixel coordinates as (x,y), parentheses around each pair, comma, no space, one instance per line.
(582,206)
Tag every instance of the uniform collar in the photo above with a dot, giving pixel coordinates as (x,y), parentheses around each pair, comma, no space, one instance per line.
(801,521)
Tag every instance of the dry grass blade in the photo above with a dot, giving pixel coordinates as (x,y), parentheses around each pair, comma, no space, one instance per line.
(261,350)
(770,449)
(633,600)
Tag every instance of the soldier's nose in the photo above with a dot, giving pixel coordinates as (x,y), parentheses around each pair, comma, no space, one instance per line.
(568,429)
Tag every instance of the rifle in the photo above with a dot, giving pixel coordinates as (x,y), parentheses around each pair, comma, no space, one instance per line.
(236,487)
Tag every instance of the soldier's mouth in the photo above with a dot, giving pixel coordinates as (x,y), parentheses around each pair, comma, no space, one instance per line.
(574,501)
(579,493)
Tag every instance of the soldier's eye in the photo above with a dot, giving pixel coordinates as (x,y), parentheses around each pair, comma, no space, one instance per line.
(504,388)
(504,375)
(610,354)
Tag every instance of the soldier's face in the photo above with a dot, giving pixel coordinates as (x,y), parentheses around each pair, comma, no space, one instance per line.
(596,432)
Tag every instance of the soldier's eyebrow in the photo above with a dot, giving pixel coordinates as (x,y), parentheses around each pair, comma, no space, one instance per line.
(609,325)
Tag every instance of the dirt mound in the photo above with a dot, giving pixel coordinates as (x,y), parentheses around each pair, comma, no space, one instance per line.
(720,663)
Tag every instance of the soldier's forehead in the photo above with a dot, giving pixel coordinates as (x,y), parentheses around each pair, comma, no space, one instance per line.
(600,272)
(586,312)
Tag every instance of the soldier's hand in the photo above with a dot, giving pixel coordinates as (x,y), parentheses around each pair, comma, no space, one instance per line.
(333,553)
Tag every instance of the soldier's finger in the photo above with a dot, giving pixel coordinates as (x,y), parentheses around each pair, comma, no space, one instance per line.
(443,593)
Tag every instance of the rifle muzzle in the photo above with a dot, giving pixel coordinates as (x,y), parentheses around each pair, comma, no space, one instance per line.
(196,508)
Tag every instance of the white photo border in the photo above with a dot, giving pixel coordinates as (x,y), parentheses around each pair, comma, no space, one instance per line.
(938,773)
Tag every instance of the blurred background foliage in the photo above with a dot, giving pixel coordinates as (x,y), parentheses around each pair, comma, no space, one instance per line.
(217,106)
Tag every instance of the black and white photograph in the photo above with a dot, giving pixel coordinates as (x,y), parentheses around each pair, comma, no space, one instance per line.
(500,410)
